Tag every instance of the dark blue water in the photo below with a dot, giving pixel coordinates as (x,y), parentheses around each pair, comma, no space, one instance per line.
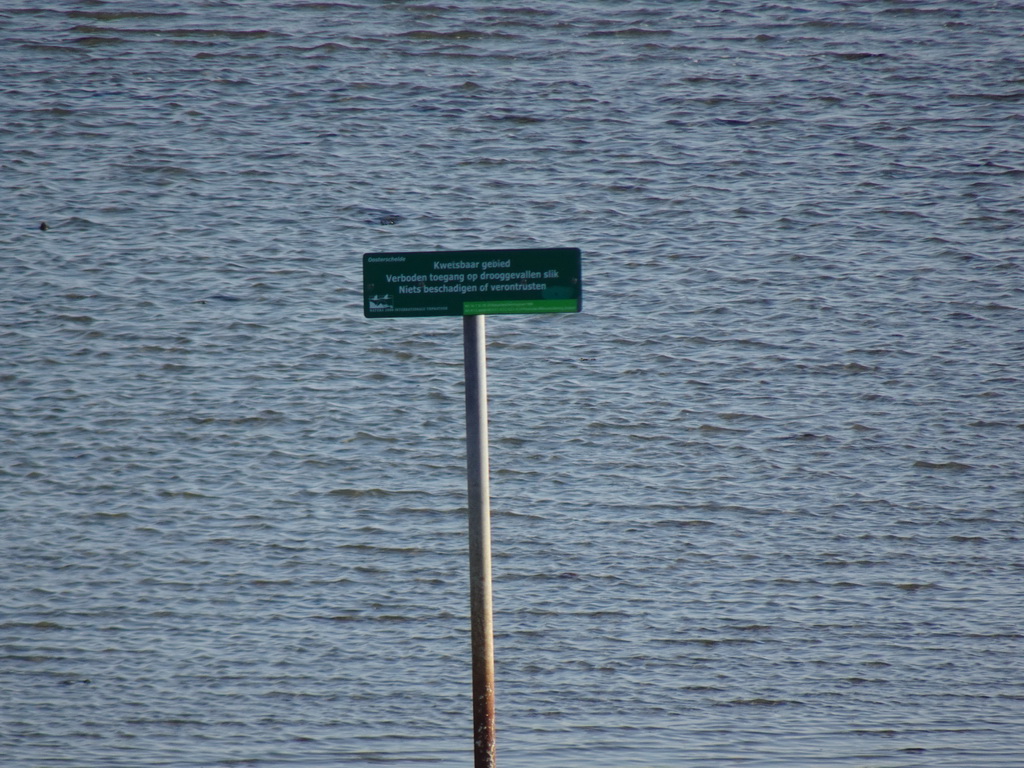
(760,504)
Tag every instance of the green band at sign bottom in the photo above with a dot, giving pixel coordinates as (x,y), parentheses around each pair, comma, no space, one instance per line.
(526,306)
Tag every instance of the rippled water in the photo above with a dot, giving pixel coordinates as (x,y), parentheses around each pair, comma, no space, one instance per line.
(759,505)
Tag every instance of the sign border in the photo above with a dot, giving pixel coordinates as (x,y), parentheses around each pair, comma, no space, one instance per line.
(563,296)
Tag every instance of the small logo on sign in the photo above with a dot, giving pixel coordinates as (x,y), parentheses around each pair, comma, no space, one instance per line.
(383,302)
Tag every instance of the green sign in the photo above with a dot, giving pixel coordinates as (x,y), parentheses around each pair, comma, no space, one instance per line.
(490,282)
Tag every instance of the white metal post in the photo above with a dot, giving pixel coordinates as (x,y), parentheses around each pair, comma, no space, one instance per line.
(478,486)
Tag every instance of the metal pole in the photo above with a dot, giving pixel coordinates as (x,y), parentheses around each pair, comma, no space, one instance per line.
(477,474)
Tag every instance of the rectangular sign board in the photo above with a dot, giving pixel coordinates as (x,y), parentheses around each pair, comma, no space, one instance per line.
(487,282)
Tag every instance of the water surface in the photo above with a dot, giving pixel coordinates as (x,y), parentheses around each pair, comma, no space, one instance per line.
(758,505)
